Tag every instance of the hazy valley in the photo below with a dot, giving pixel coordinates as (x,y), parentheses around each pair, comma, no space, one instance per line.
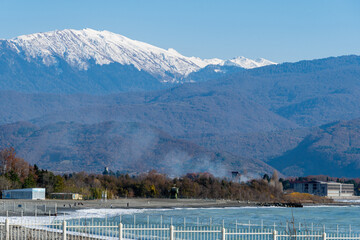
(66,110)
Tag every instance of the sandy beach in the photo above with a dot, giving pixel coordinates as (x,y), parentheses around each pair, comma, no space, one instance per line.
(142,203)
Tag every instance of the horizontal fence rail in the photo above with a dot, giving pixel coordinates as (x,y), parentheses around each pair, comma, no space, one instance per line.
(63,230)
(13,208)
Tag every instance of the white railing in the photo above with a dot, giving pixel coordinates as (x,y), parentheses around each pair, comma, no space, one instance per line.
(17,208)
(63,230)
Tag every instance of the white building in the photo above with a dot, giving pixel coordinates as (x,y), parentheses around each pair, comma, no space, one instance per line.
(26,193)
(329,189)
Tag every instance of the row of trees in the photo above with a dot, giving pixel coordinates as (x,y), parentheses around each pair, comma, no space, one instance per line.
(17,173)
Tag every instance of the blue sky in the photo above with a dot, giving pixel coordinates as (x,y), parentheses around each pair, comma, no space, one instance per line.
(276,30)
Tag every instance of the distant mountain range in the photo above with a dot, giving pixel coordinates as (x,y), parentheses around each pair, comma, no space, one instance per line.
(60,105)
(333,149)
(98,62)
(128,147)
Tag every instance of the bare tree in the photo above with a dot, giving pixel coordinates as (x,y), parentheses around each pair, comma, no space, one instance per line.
(4,183)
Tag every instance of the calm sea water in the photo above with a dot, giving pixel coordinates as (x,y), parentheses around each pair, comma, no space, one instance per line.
(306,219)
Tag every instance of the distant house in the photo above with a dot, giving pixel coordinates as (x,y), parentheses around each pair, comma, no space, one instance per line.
(329,189)
(26,193)
(73,196)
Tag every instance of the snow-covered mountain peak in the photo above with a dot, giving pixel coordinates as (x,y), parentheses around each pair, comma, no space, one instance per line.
(171,50)
(248,63)
(78,47)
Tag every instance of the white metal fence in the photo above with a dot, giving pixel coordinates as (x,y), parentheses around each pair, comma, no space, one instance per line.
(62,230)
(17,208)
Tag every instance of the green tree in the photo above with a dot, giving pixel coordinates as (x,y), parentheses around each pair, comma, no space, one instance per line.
(12,175)
(152,191)
(29,182)
(59,184)
(96,193)
(266,177)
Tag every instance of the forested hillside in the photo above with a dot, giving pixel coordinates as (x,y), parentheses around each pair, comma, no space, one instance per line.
(249,117)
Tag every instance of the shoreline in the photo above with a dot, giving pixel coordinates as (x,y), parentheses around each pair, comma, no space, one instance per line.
(135,203)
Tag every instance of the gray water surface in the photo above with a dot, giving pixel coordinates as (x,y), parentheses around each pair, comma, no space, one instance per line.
(317,218)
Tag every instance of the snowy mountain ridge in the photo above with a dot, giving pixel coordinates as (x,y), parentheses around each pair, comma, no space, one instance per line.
(79,47)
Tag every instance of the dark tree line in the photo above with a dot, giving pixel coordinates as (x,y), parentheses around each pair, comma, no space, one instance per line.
(17,173)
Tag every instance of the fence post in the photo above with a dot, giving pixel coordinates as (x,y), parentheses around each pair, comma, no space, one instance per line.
(7,229)
(223,233)
(171,232)
(120,231)
(274,235)
(64,230)
(324,236)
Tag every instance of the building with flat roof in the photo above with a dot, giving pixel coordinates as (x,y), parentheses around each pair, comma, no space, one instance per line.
(26,193)
(329,189)
(73,196)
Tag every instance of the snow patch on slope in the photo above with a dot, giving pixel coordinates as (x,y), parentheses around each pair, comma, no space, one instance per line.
(247,63)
